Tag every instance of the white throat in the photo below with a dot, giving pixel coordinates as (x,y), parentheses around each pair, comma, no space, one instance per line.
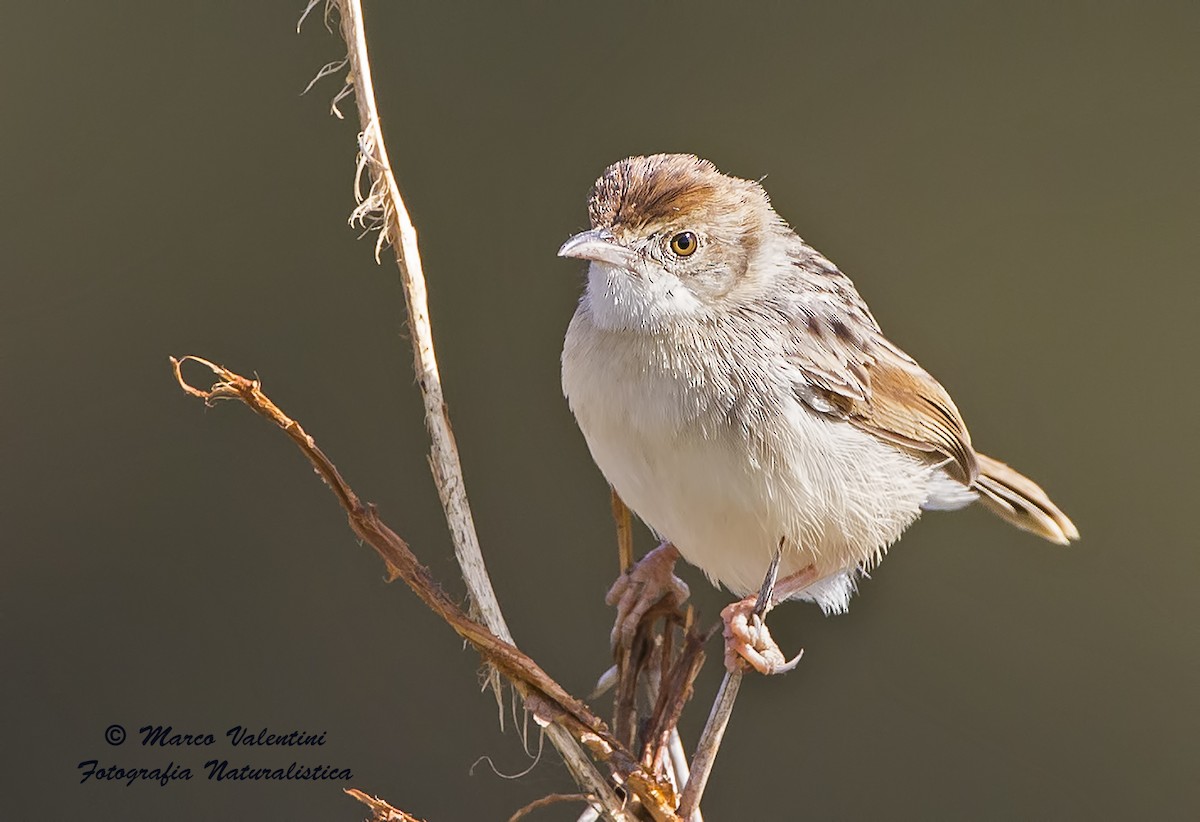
(646,301)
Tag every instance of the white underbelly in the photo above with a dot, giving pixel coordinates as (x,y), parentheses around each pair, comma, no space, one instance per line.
(836,495)
(699,495)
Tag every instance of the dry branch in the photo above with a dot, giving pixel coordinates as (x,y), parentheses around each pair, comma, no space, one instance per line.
(549,702)
(381,811)
(382,205)
(650,665)
(547,801)
(624,522)
(722,709)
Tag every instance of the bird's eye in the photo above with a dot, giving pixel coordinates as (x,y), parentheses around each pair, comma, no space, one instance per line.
(684,244)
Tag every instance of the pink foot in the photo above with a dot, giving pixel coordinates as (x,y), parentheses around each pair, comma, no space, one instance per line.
(651,581)
(747,640)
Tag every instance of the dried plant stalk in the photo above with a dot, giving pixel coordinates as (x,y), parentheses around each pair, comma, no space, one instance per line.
(381,811)
(550,703)
(650,664)
(624,522)
(722,710)
(382,205)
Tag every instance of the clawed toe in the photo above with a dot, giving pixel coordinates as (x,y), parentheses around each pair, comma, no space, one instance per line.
(749,642)
(648,583)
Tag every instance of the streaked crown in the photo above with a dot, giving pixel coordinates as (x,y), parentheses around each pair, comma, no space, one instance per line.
(639,195)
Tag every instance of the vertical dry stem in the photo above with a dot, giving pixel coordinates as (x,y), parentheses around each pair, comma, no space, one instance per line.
(722,710)
(383,201)
(384,204)
(706,751)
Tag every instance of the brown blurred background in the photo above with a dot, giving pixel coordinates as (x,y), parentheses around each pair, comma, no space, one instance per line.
(1013,188)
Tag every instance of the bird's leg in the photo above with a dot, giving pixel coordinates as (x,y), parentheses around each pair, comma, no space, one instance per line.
(643,586)
(747,639)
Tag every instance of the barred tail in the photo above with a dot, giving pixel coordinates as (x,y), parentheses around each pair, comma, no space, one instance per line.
(1021,501)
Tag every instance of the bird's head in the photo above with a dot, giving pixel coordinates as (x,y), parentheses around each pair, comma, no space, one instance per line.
(672,240)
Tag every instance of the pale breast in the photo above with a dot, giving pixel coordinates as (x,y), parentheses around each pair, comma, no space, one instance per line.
(668,432)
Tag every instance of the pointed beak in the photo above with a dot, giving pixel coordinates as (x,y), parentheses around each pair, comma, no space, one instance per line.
(599,245)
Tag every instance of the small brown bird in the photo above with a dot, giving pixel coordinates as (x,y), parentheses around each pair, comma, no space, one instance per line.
(736,391)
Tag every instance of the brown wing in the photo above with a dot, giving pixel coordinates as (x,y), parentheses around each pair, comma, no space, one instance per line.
(848,369)
(910,408)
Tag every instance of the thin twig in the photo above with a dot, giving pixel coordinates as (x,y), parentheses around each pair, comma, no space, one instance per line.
(678,760)
(552,706)
(722,710)
(624,709)
(628,673)
(710,743)
(621,516)
(381,811)
(383,202)
(670,693)
(547,801)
